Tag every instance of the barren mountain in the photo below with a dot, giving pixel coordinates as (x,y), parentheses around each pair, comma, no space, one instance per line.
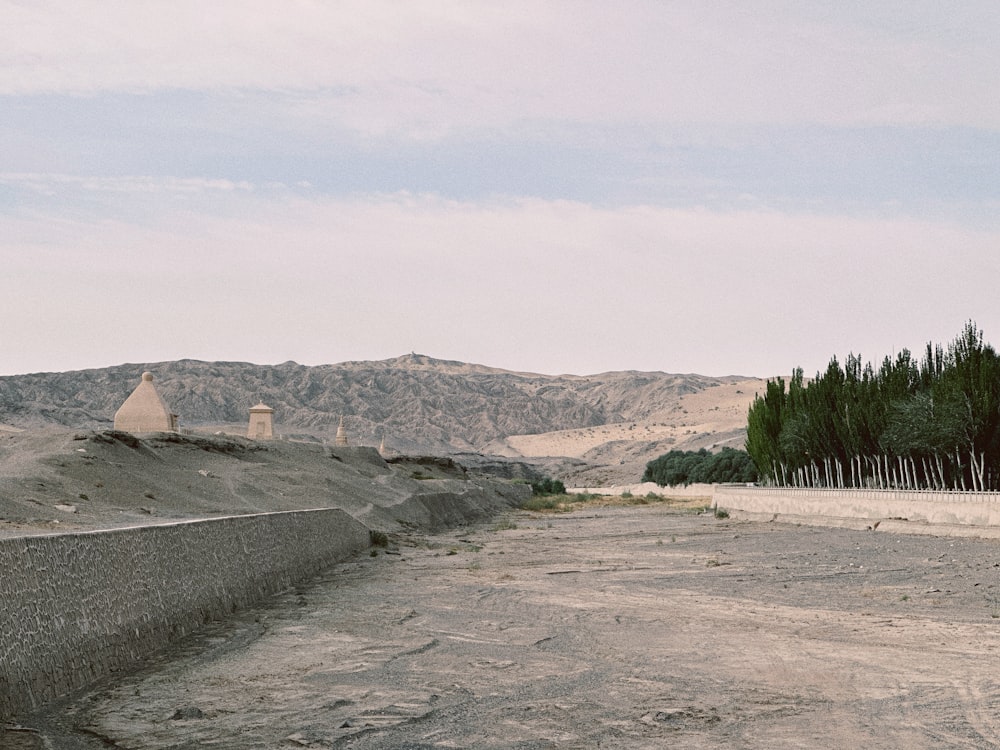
(590,429)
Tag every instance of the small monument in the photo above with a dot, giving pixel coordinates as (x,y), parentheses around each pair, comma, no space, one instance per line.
(384,450)
(145,411)
(341,434)
(261,427)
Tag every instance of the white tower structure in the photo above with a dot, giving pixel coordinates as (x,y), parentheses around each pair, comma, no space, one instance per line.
(261,426)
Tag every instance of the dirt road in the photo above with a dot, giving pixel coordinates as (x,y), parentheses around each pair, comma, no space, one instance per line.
(623,627)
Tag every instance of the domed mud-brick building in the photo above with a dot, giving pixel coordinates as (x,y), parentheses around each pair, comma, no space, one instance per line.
(145,411)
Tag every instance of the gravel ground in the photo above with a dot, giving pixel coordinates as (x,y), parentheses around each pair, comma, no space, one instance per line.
(627,627)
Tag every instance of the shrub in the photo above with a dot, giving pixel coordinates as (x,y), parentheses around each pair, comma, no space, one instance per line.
(548,486)
(541,502)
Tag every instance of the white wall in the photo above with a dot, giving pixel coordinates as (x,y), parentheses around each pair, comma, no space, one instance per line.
(961,508)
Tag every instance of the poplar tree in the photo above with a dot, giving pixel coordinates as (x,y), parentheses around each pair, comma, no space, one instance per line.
(928,424)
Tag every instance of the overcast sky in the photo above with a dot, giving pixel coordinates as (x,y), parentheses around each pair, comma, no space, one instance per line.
(558,187)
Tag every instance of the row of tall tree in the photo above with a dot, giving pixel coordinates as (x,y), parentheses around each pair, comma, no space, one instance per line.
(932,423)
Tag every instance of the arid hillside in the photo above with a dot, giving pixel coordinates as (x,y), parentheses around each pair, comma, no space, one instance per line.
(54,479)
(589,429)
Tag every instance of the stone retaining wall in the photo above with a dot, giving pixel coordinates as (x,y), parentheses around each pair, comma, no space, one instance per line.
(961,508)
(74,607)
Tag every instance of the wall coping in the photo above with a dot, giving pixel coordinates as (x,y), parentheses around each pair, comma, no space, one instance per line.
(159,525)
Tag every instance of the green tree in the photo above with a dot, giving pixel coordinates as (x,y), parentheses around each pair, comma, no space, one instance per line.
(928,424)
(695,467)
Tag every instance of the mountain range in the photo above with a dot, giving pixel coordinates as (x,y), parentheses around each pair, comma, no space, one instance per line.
(592,429)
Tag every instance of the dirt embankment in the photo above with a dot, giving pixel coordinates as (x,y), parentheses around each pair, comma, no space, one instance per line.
(60,480)
(630,627)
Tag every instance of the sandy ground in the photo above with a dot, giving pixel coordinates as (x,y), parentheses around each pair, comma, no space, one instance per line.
(631,627)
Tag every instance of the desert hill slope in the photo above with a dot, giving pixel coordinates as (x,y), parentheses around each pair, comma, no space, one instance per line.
(56,479)
(418,404)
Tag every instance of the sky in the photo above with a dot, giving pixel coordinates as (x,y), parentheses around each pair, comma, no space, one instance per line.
(575,187)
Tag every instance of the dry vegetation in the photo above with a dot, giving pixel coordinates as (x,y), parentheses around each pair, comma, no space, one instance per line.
(583,500)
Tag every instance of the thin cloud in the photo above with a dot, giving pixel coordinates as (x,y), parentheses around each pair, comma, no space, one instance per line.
(51,184)
(429,69)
